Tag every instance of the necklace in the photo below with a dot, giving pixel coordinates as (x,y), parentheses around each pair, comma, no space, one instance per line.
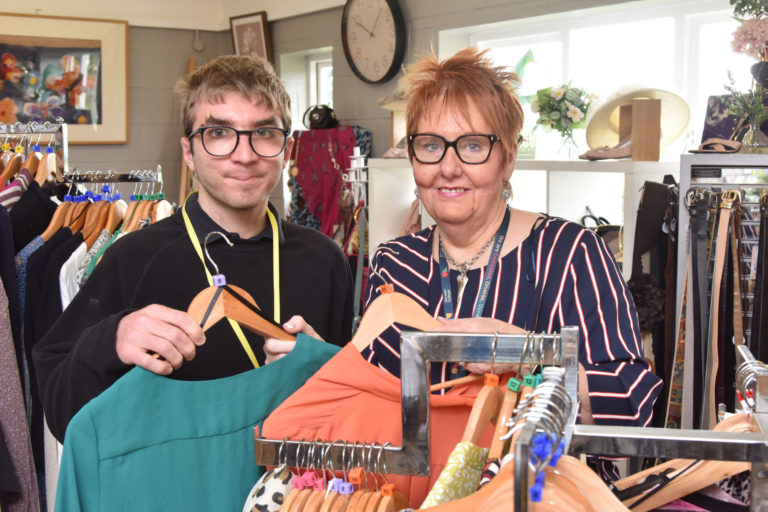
(463,267)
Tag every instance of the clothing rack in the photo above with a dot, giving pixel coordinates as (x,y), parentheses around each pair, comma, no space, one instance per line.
(696,444)
(111,176)
(548,409)
(23,131)
(418,349)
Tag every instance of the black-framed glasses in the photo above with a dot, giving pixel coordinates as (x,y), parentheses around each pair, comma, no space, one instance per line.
(472,148)
(266,142)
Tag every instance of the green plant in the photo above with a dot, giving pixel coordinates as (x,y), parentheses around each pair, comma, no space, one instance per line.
(748,9)
(750,104)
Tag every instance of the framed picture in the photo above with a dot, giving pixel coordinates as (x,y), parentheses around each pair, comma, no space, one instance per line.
(71,68)
(250,35)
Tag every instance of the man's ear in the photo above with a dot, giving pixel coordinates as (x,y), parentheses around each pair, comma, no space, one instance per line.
(186,149)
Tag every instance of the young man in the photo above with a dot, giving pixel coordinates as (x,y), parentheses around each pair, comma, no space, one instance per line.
(236,116)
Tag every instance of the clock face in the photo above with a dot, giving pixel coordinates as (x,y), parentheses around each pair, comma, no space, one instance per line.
(373,32)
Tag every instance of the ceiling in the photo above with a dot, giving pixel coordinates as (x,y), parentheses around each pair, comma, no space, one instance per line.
(183,14)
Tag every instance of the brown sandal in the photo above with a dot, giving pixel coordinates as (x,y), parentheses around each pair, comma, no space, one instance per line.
(715,145)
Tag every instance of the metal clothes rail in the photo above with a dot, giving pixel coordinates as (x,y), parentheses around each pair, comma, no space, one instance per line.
(693,444)
(24,131)
(418,349)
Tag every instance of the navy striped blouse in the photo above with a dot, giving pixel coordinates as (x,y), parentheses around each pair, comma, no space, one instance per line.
(562,274)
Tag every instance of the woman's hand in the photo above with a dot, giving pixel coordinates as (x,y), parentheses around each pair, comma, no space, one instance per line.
(482,325)
(274,349)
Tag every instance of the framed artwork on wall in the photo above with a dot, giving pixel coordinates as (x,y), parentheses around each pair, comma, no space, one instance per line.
(71,68)
(250,35)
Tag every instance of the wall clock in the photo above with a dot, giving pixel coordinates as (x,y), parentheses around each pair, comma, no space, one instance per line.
(373,33)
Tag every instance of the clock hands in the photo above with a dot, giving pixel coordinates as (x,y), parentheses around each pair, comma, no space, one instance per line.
(363,27)
(376,21)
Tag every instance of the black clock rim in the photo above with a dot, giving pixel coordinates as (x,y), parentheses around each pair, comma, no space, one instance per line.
(400,36)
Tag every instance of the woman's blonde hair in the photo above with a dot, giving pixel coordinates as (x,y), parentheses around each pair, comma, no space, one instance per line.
(468,76)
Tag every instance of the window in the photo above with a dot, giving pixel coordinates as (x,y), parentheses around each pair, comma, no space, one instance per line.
(681,46)
(308,78)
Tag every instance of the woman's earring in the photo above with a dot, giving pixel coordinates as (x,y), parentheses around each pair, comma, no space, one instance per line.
(416,193)
(507,192)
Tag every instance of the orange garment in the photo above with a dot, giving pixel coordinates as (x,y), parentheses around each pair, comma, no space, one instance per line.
(350,399)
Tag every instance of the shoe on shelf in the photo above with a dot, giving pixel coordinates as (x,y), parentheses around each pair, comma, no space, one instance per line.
(622,150)
(715,145)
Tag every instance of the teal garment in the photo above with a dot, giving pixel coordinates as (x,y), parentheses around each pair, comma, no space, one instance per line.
(153,443)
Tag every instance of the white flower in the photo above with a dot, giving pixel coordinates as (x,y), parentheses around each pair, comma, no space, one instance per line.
(575,114)
(557,93)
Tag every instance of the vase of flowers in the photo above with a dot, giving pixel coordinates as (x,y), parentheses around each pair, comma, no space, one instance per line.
(750,105)
(562,108)
(751,36)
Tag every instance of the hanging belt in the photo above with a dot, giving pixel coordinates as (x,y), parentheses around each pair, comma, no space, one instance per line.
(738,308)
(759,338)
(696,202)
(670,272)
(720,241)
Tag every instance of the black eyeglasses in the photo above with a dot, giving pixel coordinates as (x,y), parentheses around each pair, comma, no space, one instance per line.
(266,142)
(472,148)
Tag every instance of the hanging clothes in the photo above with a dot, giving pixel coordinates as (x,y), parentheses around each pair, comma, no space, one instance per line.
(14,430)
(321,157)
(350,399)
(201,429)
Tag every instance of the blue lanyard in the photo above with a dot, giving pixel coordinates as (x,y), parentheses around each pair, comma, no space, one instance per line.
(485,288)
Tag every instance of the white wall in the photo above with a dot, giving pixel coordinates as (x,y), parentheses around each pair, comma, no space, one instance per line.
(198,15)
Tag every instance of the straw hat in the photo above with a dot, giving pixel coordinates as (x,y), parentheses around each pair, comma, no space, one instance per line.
(395,101)
(603,121)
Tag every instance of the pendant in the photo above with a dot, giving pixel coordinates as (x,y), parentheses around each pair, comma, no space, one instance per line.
(462,282)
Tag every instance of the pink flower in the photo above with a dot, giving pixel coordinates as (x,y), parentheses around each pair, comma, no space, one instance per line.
(750,37)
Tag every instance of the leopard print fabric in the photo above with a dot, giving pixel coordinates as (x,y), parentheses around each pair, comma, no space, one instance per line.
(270,491)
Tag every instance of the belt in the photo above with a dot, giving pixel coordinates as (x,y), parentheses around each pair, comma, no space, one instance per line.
(759,338)
(720,242)
(696,202)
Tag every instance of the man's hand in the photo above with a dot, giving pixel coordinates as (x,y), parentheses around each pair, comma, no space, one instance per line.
(274,349)
(158,338)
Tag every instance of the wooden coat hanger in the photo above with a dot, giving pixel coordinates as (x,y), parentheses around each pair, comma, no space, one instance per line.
(509,402)
(116,215)
(57,221)
(49,165)
(32,161)
(77,219)
(485,410)
(387,309)
(230,301)
(591,486)
(12,168)
(697,477)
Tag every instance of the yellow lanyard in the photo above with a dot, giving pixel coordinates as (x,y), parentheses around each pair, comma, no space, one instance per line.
(275,274)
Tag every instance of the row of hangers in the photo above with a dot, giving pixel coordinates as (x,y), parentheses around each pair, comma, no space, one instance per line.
(91,212)
(43,162)
(570,485)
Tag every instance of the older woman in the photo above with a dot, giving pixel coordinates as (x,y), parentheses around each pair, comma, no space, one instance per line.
(540,272)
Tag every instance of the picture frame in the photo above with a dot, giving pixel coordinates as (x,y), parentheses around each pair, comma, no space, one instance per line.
(250,35)
(73,68)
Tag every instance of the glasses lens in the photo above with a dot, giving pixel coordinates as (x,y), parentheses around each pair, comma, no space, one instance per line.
(473,148)
(268,142)
(219,140)
(428,149)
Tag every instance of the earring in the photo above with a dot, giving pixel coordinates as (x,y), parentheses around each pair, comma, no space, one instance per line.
(507,192)
(416,193)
